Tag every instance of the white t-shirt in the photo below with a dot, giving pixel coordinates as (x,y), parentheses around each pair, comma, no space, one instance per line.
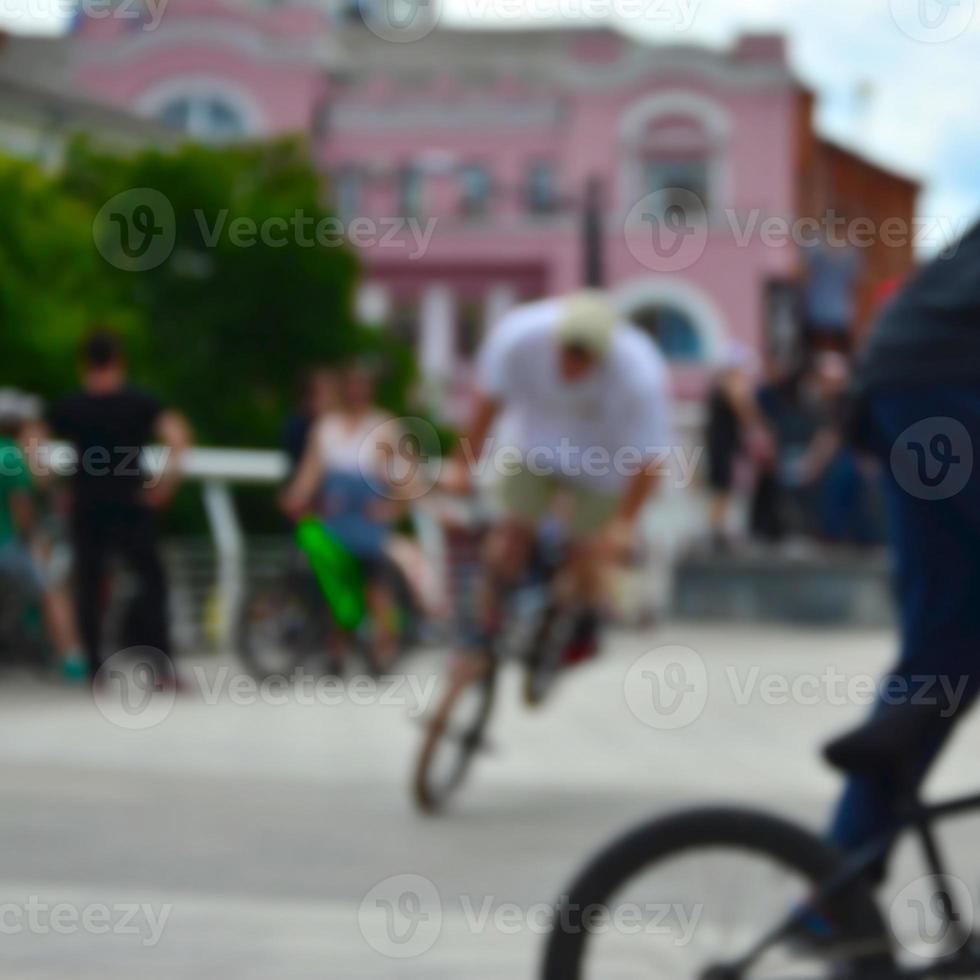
(598,431)
(359,448)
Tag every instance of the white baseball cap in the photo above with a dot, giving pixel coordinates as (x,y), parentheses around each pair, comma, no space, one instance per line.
(588,319)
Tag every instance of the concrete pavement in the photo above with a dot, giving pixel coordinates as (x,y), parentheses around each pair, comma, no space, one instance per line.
(256,834)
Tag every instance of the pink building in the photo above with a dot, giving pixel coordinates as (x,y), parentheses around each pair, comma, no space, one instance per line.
(464,162)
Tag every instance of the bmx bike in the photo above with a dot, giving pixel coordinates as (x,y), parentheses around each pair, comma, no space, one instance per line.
(771,899)
(534,630)
(315,610)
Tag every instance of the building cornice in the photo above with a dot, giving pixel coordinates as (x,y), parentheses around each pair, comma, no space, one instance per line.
(317,51)
(352,117)
(537,57)
(546,57)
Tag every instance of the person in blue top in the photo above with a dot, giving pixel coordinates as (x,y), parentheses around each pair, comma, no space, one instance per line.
(358,474)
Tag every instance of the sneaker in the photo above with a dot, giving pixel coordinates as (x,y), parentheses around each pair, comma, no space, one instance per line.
(74,669)
(584,644)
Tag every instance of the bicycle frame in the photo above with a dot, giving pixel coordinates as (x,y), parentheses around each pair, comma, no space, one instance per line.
(918,818)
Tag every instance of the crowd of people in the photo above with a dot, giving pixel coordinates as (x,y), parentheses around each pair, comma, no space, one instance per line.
(58,539)
(783,444)
(776,441)
(81,493)
(61,539)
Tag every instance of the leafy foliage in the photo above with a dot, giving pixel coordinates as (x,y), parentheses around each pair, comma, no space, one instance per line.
(53,283)
(220,329)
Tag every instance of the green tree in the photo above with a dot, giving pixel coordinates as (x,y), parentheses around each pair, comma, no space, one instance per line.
(218,328)
(227,321)
(53,283)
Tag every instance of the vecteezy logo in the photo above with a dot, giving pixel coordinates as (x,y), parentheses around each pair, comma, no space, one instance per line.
(667,688)
(941,450)
(136,230)
(919,915)
(933,21)
(400,20)
(401,917)
(134,689)
(933,459)
(667,231)
(400,458)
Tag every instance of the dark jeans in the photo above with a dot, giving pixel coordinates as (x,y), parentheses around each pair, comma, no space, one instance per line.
(130,532)
(844,502)
(937,554)
(766,516)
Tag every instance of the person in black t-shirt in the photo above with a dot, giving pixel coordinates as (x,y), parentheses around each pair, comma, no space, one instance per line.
(114,499)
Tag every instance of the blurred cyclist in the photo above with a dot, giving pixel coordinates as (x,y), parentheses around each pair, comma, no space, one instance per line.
(26,567)
(583,398)
(109,423)
(920,414)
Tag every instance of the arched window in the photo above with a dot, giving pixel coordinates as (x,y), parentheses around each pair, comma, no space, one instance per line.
(209,108)
(675,156)
(674,331)
(204,117)
(676,143)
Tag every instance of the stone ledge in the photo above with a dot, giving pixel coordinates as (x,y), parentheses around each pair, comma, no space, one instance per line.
(821,587)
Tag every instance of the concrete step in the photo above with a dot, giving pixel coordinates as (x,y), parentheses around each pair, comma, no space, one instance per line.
(814,586)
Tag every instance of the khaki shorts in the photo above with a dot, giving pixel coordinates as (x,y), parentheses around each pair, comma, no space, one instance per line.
(531,497)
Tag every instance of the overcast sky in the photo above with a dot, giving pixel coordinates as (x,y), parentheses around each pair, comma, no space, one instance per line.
(898,79)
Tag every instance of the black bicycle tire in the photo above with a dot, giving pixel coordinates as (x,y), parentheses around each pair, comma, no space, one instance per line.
(432,800)
(645,846)
(540,672)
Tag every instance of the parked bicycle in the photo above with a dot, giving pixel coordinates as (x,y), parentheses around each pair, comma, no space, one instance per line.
(316,613)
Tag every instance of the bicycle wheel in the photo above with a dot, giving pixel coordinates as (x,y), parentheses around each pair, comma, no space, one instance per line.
(543,662)
(452,739)
(283,627)
(689,897)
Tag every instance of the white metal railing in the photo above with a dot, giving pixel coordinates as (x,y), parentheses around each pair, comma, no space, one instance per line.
(218,469)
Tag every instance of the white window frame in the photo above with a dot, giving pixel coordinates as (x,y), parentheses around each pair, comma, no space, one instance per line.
(713,117)
(199,88)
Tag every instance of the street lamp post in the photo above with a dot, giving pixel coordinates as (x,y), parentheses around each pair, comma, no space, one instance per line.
(593,258)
